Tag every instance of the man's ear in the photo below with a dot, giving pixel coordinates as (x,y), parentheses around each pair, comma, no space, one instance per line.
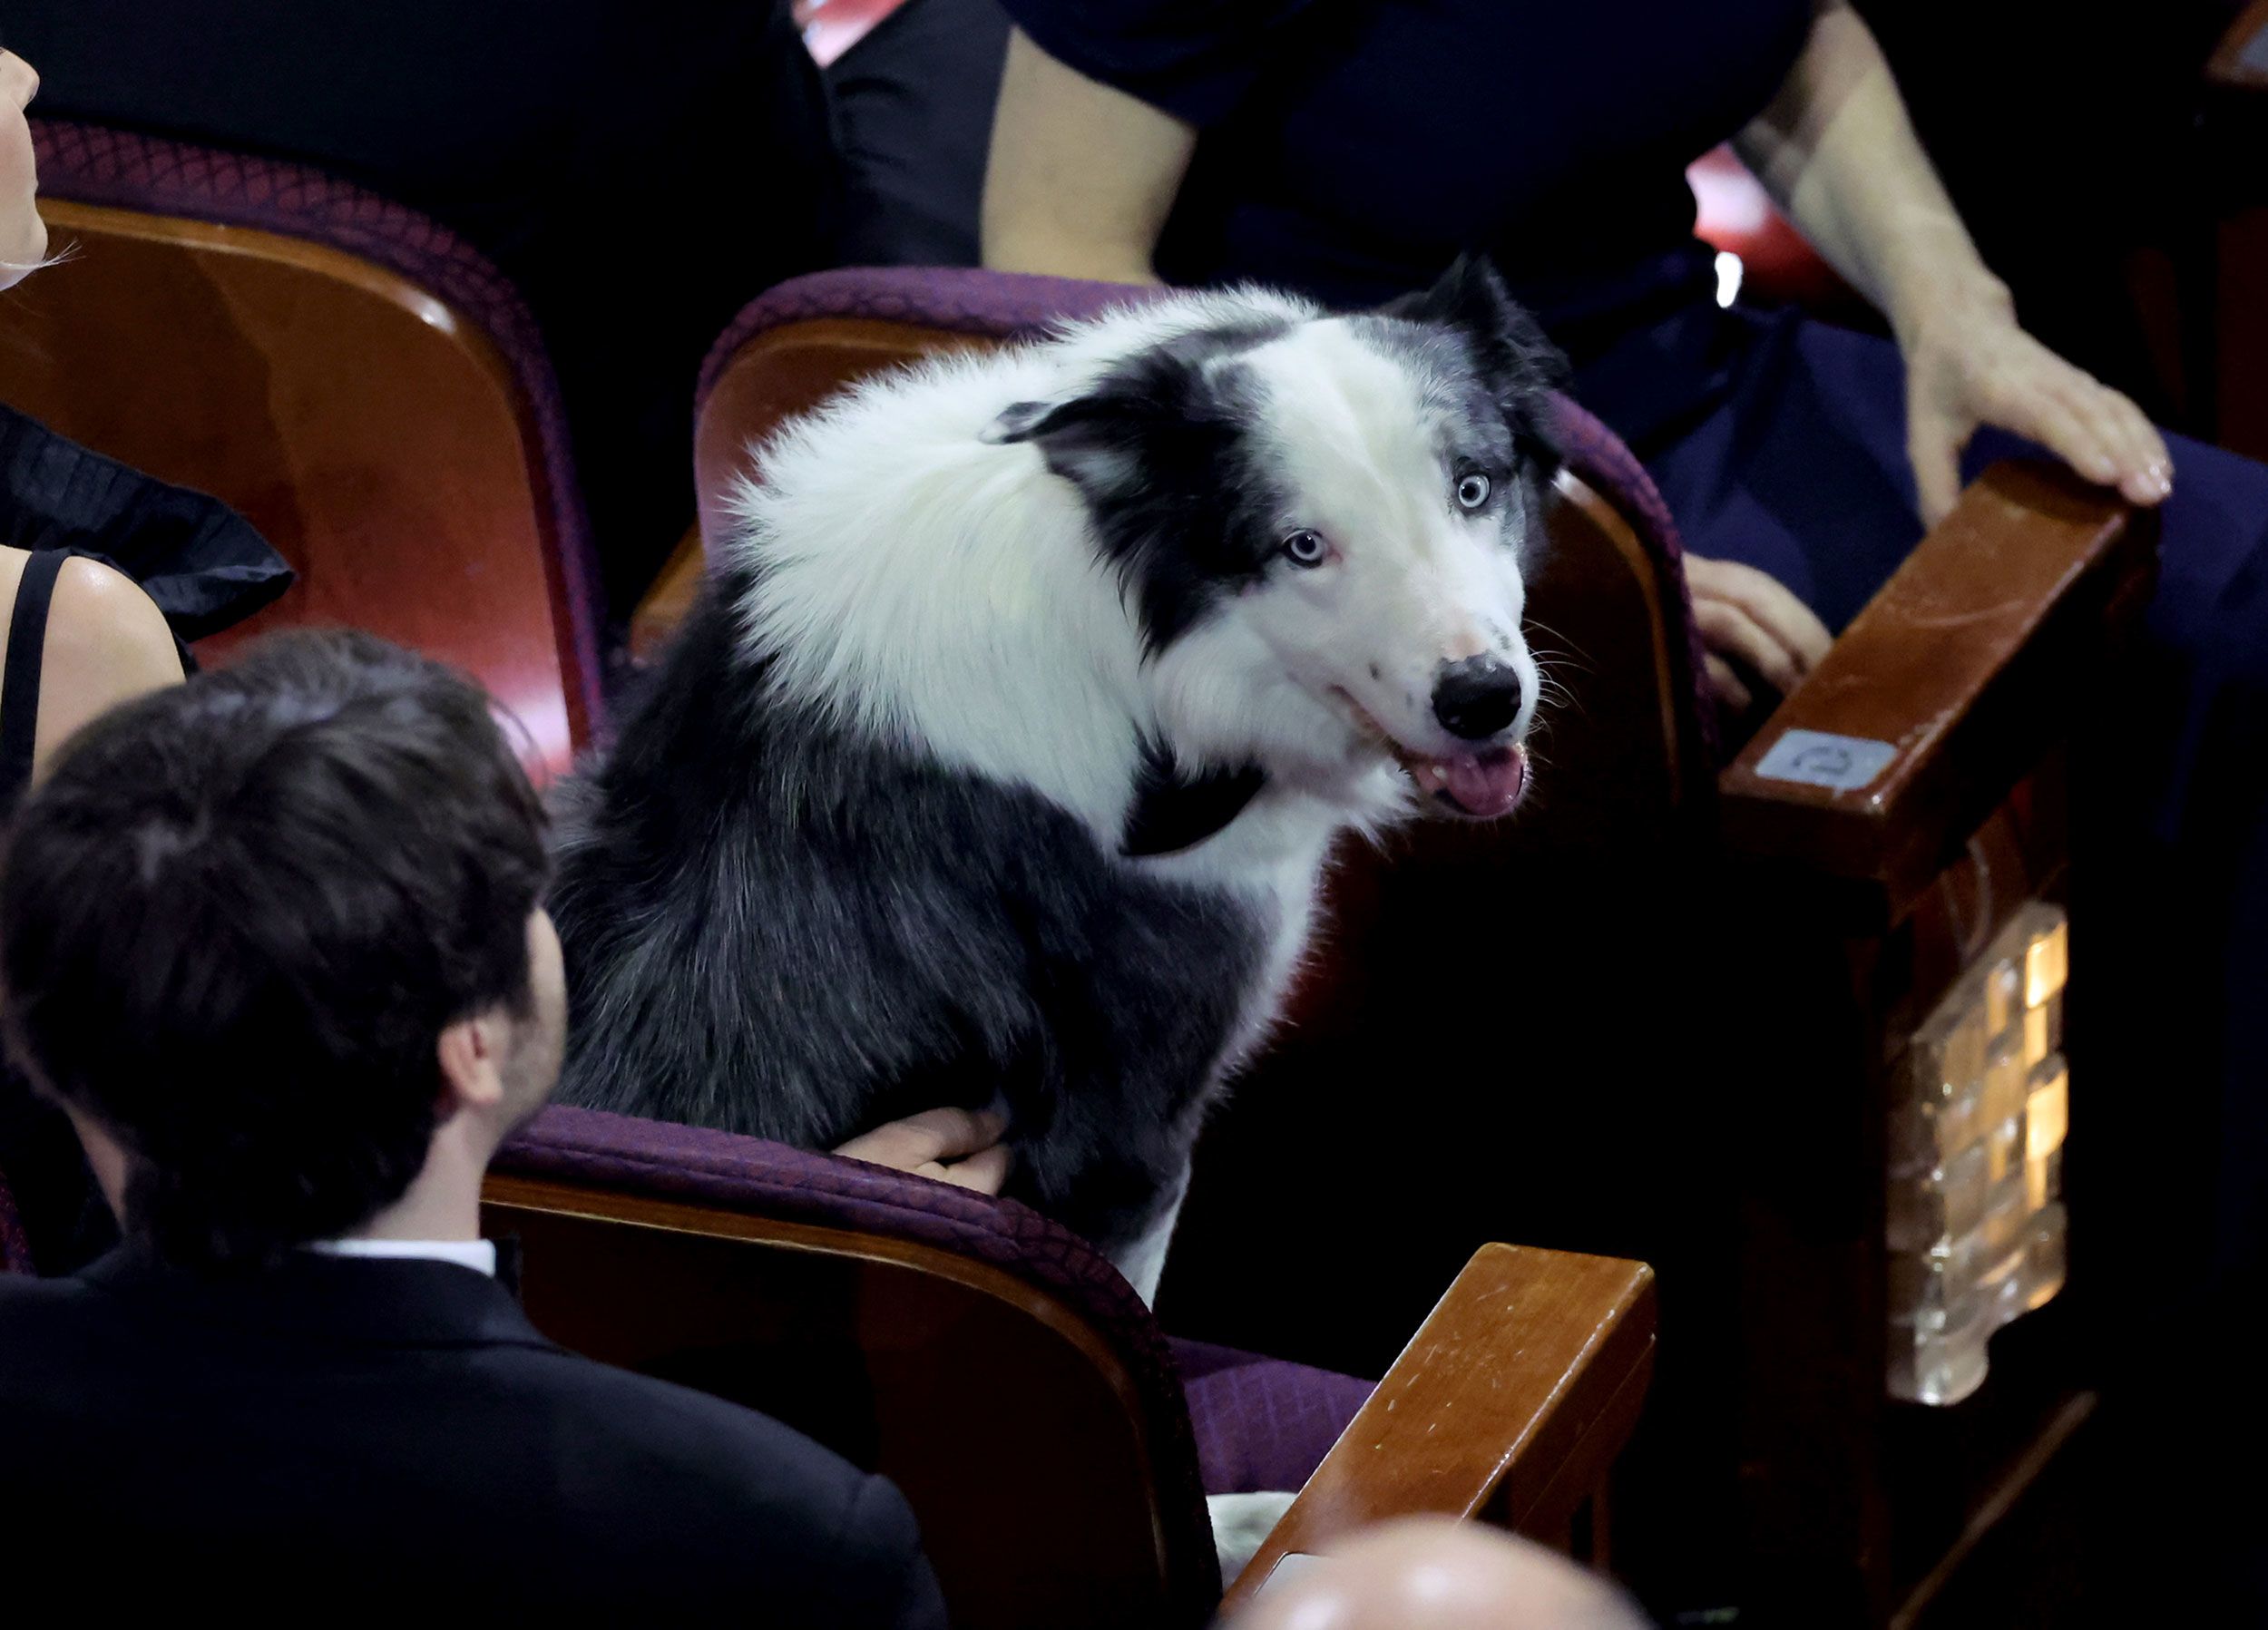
(470,1053)
(1517,364)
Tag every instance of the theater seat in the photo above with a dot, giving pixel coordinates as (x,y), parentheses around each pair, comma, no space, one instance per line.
(365,388)
(1054,1446)
(1787,1028)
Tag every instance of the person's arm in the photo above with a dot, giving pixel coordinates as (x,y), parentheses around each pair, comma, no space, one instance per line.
(1080,176)
(106,644)
(1836,151)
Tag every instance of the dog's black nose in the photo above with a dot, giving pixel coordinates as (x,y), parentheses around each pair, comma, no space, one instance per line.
(1477,697)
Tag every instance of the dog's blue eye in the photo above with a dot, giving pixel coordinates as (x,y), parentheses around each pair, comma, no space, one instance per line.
(1305,549)
(1473,490)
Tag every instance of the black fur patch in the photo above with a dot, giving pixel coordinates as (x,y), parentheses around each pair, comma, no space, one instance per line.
(780,929)
(1174,810)
(1160,451)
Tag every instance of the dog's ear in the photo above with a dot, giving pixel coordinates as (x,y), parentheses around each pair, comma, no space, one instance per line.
(1469,296)
(1090,441)
(1118,405)
(1517,363)
(1024,421)
(1095,441)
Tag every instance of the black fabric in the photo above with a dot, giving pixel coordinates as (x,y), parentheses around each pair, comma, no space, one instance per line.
(394,1437)
(914,105)
(1352,150)
(1350,153)
(19,687)
(198,560)
(639,171)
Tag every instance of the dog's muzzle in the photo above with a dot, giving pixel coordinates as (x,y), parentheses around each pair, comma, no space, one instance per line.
(1478,697)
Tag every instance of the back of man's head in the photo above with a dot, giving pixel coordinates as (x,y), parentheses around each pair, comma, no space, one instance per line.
(1429,1573)
(236,919)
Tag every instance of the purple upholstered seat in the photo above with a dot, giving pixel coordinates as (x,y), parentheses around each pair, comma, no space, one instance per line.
(92,164)
(1261,1423)
(695,1164)
(1219,1420)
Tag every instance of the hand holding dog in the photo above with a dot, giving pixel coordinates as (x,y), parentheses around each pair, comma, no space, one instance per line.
(961,1147)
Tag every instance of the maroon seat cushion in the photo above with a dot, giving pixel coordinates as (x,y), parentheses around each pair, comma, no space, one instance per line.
(1261,1423)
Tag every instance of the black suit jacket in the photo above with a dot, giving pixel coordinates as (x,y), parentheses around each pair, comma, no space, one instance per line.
(359,1434)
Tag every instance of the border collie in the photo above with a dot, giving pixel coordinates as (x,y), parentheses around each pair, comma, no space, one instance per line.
(1000,763)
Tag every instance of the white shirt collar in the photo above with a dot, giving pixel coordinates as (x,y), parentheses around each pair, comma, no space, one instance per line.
(478,1255)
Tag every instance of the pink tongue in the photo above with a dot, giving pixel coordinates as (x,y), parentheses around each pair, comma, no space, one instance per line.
(1485,785)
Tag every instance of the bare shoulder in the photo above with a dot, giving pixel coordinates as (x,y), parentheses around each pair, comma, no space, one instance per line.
(102,618)
(107,642)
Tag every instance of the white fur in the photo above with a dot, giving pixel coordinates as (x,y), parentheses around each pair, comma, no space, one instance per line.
(944,589)
(1241,1525)
(1143,1264)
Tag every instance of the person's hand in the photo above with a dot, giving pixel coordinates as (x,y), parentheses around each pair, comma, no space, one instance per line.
(1976,366)
(1750,615)
(961,1147)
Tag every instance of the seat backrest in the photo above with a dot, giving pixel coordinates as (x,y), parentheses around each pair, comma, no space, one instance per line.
(358,381)
(988,1362)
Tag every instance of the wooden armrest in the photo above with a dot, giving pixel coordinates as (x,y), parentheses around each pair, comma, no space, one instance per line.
(2240,62)
(1981,652)
(1512,1401)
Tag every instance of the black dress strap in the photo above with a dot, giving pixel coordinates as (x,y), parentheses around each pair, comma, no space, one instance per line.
(19,683)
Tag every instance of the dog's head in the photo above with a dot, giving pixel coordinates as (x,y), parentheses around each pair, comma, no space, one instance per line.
(1320,524)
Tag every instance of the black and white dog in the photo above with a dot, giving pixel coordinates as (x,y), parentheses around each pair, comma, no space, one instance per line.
(1000,761)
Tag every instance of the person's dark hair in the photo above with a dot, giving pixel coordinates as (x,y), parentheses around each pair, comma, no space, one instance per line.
(238,914)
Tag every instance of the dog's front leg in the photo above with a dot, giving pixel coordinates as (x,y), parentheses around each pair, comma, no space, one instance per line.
(1142,1259)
